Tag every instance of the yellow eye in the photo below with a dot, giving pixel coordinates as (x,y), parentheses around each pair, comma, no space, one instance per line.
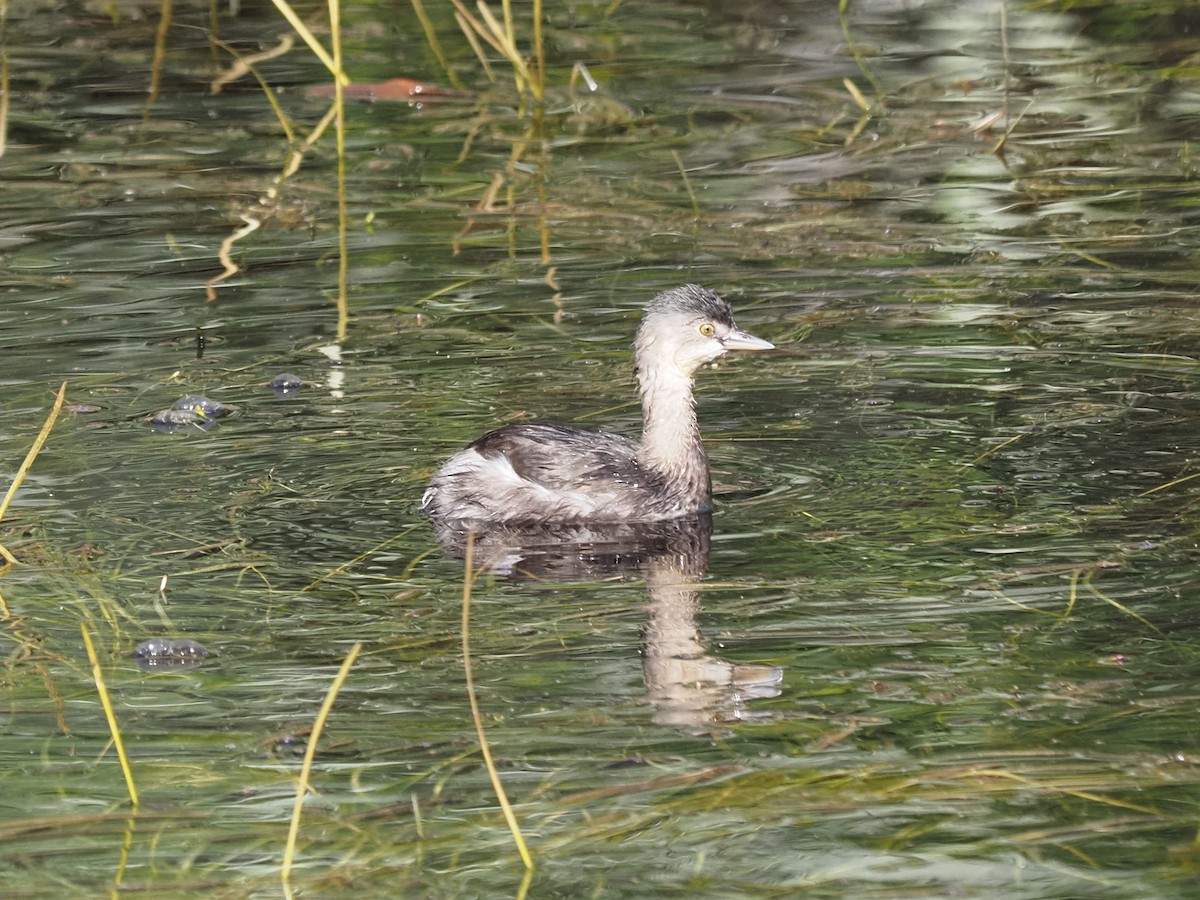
(707,329)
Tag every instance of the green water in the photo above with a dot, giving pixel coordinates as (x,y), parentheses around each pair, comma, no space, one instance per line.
(953,510)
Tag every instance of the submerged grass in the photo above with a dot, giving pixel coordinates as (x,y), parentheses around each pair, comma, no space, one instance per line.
(858,761)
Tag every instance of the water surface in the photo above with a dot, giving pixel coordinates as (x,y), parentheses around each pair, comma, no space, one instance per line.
(954,511)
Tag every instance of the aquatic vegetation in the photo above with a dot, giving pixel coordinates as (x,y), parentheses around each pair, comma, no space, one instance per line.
(935,639)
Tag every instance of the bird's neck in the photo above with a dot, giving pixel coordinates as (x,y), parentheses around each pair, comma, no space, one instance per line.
(671,442)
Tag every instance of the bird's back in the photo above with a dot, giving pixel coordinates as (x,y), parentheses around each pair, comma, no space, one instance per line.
(549,473)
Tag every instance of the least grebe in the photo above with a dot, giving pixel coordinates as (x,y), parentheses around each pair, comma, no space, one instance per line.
(538,474)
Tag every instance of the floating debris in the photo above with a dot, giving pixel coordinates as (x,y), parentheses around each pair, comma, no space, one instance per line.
(395,89)
(285,384)
(204,406)
(181,420)
(167,653)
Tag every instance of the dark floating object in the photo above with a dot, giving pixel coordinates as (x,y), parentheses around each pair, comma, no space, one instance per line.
(195,412)
(285,384)
(198,403)
(546,474)
(181,420)
(167,653)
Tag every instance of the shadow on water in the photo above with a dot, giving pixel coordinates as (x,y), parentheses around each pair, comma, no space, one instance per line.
(686,685)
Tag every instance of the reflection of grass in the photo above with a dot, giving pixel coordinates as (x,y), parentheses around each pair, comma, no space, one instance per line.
(435,45)
(500,33)
(489,31)
(503,39)
(337,114)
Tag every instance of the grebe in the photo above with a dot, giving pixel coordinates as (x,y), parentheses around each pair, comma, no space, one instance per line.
(549,474)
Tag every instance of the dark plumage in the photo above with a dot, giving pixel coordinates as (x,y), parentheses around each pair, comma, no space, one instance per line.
(540,474)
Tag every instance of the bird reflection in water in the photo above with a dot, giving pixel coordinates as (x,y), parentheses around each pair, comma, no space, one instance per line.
(687,686)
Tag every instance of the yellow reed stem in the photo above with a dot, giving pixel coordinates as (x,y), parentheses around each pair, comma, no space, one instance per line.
(114,729)
(309,38)
(435,45)
(339,105)
(489,764)
(539,51)
(160,52)
(19,478)
(289,852)
(4,96)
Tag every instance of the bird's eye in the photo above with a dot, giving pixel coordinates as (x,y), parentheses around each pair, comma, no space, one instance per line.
(707,329)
